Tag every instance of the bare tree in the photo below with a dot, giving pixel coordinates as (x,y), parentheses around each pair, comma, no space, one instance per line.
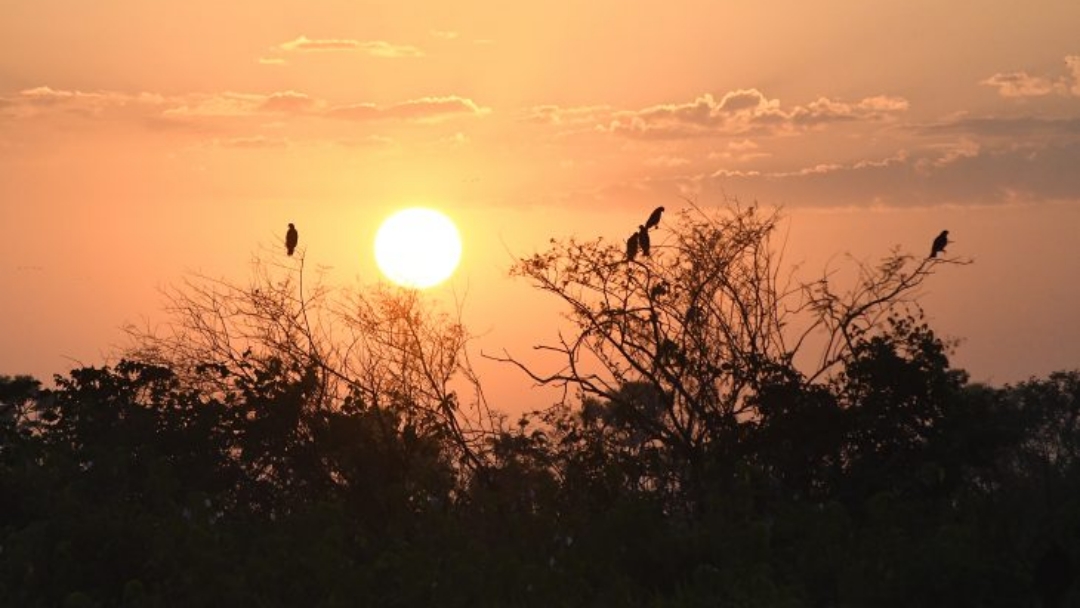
(706,320)
(381,346)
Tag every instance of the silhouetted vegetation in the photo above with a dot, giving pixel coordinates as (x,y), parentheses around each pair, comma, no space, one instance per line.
(729,438)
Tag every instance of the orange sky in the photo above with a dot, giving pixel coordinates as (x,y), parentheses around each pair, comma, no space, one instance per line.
(140,140)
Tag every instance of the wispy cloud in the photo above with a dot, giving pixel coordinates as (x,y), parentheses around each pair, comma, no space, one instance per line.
(555,115)
(964,161)
(426,109)
(962,173)
(229,105)
(104,104)
(256,142)
(1023,84)
(739,112)
(374,48)
(242,104)
(288,102)
(1024,127)
(819,169)
(667,161)
(741,151)
(1020,84)
(42,100)
(445,34)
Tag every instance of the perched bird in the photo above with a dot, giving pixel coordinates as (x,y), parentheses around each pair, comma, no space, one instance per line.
(939,243)
(631,247)
(660,289)
(291,238)
(643,240)
(654,218)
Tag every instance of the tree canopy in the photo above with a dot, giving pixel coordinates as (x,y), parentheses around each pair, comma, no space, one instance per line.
(730,435)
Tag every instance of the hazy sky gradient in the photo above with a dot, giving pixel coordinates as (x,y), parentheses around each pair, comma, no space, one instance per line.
(140,140)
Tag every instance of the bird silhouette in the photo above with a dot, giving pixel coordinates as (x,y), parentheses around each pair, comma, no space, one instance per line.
(643,240)
(291,238)
(939,243)
(632,247)
(654,218)
(658,290)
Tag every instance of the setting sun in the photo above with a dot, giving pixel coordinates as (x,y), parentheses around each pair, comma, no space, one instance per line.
(417,247)
(533,304)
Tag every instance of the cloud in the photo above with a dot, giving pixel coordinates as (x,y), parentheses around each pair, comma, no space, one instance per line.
(227,105)
(954,168)
(732,113)
(1021,127)
(42,100)
(220,105)
(272,61)
(825,110)
(667,161)
(962,173)
(238,105)
(555,115)
(256,142)
(225,120)
(742,112)
(303,43)
(818,169)
(741,100)
(425,109)
(741,151)
(374,48)
(445,34)
(288,102)
(949,153)
(833,151)
(1022,84)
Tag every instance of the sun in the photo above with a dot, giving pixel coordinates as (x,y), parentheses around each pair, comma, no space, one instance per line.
(417,247)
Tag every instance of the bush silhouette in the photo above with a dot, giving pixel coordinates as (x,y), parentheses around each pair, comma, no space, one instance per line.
(283,446)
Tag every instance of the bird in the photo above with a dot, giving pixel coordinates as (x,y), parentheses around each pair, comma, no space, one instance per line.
(654,218)
(939,243)
(631,247)
(660,289)
(291,238)
(643,240)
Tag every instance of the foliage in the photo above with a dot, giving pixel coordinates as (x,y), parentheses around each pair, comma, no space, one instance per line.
(710,332)
(270,449)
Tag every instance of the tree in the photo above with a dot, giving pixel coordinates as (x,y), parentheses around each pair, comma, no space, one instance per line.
(385,348)
(710,322)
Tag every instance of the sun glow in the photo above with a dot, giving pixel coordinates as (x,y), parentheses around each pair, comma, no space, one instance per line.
(417,247)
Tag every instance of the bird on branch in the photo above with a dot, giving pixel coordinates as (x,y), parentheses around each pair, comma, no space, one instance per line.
(939,243)
(291,238)
(654,218)
(632,247)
